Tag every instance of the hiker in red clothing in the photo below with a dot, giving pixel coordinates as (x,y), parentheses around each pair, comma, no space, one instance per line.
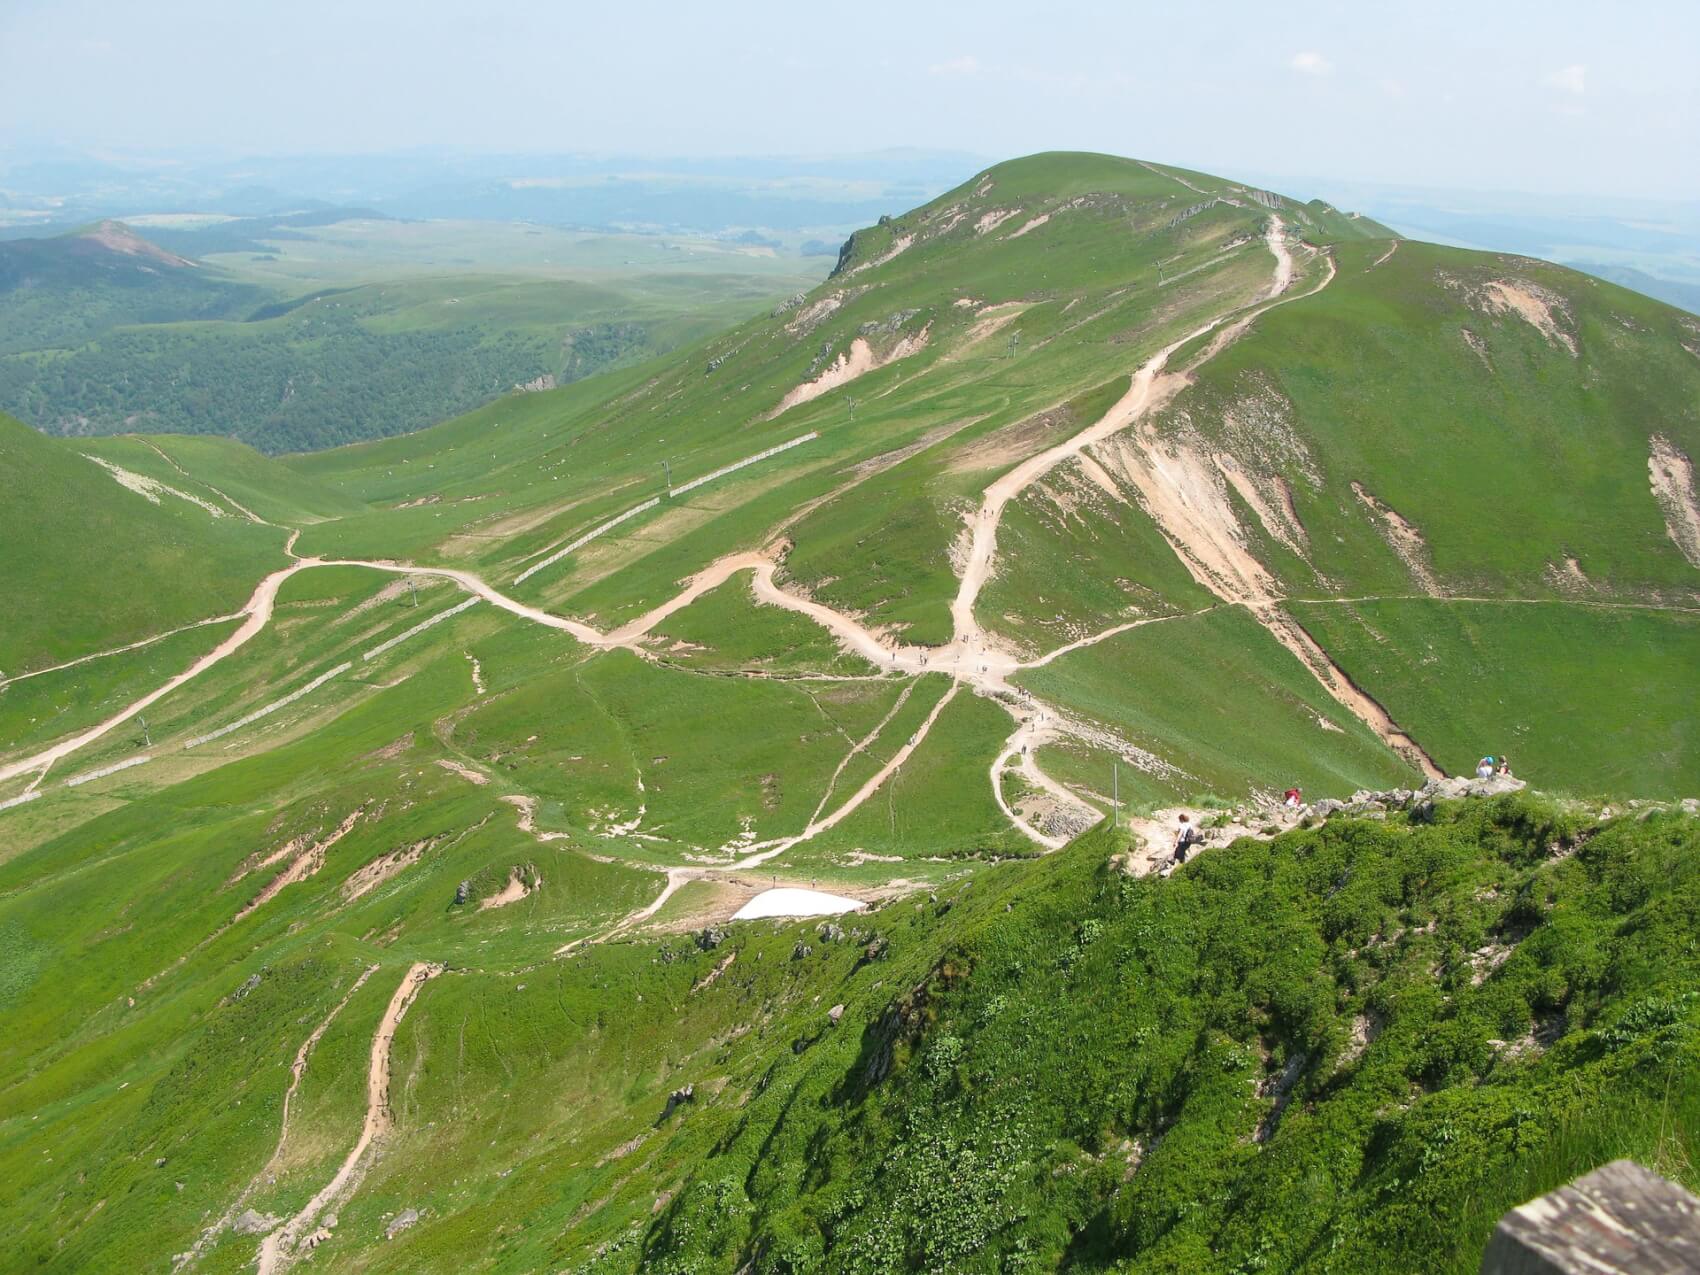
(1292,798)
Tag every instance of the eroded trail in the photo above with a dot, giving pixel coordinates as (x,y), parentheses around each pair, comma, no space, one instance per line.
(283,1246)
(297,1069)
(1149,390)
(258,613)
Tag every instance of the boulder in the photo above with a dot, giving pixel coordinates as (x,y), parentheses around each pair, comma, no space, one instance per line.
(399,1223)
(678,1098)
(252,1222)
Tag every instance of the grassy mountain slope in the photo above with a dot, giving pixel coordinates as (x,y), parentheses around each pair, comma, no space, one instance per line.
(105,565)
(473,845)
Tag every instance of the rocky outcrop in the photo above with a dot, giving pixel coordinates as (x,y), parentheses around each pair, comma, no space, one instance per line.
(1364,801)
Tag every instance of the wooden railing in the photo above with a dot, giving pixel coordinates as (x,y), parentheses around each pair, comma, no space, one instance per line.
(1620,1218)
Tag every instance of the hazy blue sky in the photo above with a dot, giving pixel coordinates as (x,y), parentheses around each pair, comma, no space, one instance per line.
(1560,95)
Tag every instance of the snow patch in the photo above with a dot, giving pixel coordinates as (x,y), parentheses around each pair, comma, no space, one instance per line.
(788,902)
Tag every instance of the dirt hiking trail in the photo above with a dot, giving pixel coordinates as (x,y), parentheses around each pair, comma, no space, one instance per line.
(280,1249)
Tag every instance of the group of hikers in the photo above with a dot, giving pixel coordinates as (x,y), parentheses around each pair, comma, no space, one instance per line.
(1189,834)
(1488,767)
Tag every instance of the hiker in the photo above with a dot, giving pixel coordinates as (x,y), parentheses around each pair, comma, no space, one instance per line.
(1292,798)
(1187,837)
(1484,768)
(1504,771)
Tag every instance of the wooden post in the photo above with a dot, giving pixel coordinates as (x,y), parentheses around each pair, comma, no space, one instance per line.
(1620,1219)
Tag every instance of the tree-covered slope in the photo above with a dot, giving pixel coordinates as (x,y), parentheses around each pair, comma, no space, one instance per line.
(1347,1049)
(62,291)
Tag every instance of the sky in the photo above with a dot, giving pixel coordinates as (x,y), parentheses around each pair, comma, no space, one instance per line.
(1560,97)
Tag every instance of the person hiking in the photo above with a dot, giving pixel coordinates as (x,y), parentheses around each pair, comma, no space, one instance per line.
(1504,771)
(1186,838)
(1484,768)
(1292,798)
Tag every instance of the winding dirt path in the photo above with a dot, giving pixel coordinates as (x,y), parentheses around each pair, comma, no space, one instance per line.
(1149,389)
(297,1070)
(971,656)
(282,1247)
(259,614)
(119,650)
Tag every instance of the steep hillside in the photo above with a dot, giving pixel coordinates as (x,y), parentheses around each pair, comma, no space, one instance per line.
(106,556)
(410,917)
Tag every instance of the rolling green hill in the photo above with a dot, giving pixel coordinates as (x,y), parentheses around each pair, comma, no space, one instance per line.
(103,563)
(104,331)
(391,923)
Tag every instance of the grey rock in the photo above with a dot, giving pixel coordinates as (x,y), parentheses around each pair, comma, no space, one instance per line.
(834,1014)
(401,1221)
(252,1222)
(680,1096)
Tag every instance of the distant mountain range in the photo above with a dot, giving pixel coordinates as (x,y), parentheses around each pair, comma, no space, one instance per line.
(780,193)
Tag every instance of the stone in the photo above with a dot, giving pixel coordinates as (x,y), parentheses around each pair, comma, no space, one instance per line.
(680,1096)
(1620,1218)
(253,1222)
(401,1221)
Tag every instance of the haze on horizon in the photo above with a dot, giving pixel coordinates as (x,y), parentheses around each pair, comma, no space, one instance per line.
(1553,98)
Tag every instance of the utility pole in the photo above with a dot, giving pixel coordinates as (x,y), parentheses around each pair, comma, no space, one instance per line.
(1014,340)
(852,401)
(147,735)
(667,468)
(1115,794)
(413,590)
